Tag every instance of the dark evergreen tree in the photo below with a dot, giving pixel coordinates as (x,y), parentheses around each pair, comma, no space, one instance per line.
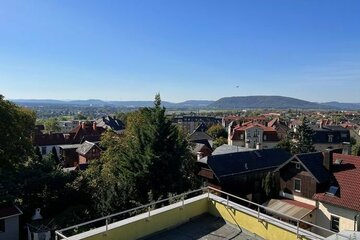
(38,153)
(153,162)
(302,138)
(54,155)
(150,161)
(269,186)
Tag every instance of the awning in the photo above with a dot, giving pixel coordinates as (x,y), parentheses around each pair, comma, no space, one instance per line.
(288,207)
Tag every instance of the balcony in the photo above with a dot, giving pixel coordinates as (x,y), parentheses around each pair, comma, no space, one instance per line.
(200,214)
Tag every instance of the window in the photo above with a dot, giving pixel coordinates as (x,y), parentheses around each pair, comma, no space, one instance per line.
(297,165)
(344,135)
(43,150)
(93,150)
(242,137)
(330,138)
(264,137)
(297,185)
(2,225)
(335,222)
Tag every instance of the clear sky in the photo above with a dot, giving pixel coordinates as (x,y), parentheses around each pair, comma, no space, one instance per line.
(184,49)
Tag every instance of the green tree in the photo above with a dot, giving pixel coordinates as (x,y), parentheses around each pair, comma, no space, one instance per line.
(150,161)
(302,138)
(16,125)
(52,125)
(217,131)
(38,153)
(285,144)
(356,149)
(219,141)
(54,156)
(269,186)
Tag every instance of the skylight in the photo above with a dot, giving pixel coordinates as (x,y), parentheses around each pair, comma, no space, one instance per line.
(332,190)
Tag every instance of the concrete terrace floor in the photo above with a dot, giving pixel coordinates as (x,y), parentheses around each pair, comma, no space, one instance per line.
(205,227)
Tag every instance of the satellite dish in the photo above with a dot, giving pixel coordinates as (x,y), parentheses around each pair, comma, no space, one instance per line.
(37,215)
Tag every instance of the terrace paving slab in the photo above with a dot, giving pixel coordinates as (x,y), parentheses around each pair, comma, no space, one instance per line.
(205,227)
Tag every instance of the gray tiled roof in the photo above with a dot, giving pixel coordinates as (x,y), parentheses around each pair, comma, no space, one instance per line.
(85,147)
(226,165)
(314,163)
(225,148)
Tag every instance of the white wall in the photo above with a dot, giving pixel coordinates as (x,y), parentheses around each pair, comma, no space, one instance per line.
(323,216)
(11,229)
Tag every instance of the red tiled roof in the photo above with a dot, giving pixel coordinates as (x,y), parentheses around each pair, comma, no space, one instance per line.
(270,132)
(9,211)
(49,139)
(347,176)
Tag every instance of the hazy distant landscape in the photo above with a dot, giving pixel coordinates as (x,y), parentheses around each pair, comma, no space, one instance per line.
(243,102)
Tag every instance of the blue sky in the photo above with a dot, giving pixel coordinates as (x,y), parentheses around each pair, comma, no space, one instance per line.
(184,49)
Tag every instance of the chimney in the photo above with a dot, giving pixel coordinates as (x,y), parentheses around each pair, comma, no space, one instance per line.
(328,159)
(83,125)
(94,126)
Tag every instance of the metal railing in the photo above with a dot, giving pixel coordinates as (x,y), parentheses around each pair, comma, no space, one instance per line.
(269,210)
(260,214)
(59,234)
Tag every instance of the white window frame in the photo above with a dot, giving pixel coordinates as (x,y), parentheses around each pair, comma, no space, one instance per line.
(297,166)
(297,190)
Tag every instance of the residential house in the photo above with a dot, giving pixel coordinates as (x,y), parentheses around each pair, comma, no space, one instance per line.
(327,180)
(67,126)
(85,131)
(280,126)
(68,155)
(9,222)
(241,173)
(189,123)
(339,203)
(253,135)
(201,137)
(226,121)
(88,151)
(110,123)
(331,137)
(47,141)
(201,150)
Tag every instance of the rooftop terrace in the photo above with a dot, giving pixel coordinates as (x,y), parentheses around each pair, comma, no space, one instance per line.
(200,214)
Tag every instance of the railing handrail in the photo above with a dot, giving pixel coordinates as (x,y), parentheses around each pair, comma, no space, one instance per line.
(183,195)
(281,214)
(130,210)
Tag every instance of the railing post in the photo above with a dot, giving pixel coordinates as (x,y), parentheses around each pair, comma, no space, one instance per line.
(56,236)
(183,200)
(149,209)
(227,200)
(297,228)
(208,190)
(258,212)
(107,224)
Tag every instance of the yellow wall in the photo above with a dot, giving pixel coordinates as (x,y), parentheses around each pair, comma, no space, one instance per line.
(156,223)
(176,216)
(250,223)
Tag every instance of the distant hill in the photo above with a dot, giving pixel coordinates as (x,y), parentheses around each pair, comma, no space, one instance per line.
(100,103)
(347,106)
(276,102)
